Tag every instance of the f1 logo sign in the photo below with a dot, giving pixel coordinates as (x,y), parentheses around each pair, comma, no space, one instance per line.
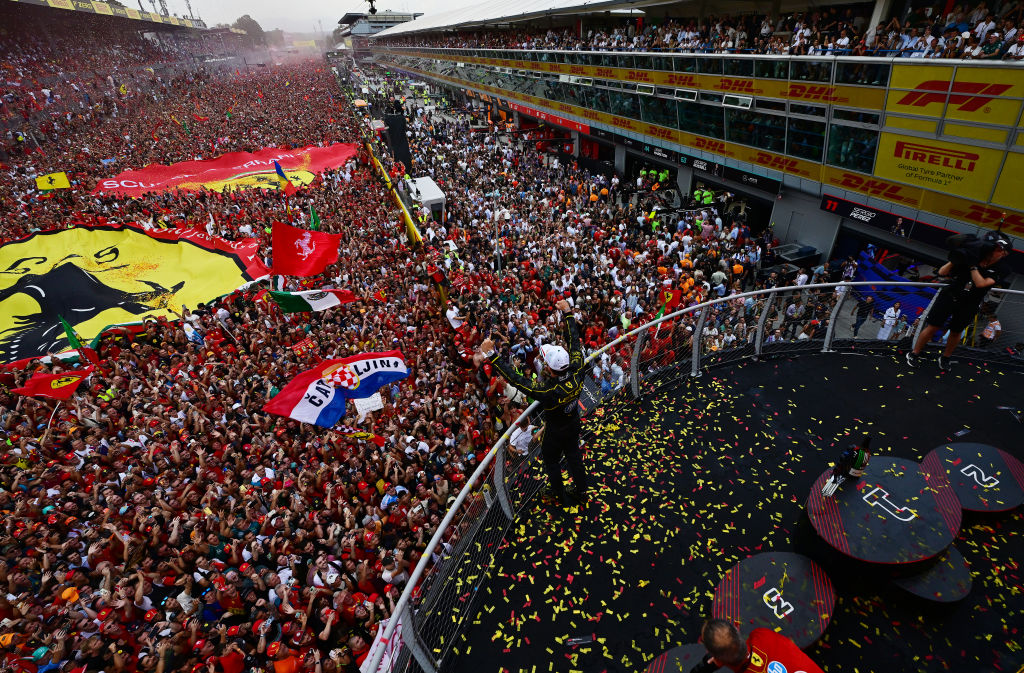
(975,473)
(773,599)
(879,497)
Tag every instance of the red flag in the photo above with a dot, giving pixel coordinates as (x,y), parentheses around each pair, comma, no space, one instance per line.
(300,252)
(199,119)
(304,346)
(289,189)
(54,386)
(379,296)
(670,299)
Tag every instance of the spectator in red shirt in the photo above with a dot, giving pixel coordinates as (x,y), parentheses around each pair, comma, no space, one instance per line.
(765,651)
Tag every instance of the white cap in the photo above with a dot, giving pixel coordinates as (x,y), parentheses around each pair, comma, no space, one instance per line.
(555,357)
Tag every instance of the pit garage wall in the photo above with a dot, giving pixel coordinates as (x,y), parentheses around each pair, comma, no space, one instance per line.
(798,217)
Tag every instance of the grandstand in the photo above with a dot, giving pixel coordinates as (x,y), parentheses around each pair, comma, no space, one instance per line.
(247,301)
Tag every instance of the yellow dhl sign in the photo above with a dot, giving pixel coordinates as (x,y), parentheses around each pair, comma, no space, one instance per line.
(942,157)
(824,94)
(990,95)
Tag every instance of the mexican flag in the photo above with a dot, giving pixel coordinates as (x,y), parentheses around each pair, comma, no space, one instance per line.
(311,300)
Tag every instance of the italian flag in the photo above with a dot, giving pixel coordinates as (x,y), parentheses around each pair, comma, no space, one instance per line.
(311,300)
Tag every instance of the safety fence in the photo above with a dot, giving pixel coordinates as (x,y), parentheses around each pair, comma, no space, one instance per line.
(437,606)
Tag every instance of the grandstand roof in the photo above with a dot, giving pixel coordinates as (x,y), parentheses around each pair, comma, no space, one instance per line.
(501,11)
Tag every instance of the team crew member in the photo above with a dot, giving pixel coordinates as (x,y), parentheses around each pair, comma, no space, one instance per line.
(765,651)
(558,395)
(959,301)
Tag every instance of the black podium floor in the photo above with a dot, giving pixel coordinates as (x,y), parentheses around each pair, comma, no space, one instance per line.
(719,468)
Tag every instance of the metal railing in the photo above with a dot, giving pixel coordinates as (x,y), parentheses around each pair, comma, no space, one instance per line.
(864,316)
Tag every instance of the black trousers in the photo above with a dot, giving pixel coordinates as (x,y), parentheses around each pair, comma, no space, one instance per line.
(563,439)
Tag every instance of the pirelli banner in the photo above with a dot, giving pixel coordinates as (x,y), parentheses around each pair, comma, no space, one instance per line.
(92,7)
(963,170)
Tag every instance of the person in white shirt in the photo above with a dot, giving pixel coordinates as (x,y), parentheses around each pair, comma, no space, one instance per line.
(1016,51)
(521,437)
(984,27)
(892,314)
(454,318)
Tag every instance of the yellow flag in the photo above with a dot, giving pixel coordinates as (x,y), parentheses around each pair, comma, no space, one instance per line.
(53,181)
(124,89)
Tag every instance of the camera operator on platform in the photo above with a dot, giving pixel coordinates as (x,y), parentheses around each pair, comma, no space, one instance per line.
(974,266)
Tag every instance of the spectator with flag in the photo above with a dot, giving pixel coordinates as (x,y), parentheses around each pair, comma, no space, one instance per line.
(312,300)
(318,395)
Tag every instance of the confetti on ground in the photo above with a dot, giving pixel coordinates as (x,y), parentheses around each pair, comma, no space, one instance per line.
(715,469)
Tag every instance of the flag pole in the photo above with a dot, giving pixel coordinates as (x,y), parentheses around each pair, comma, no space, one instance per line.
(49,422)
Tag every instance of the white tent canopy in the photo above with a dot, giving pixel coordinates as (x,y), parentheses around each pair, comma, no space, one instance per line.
(426,192)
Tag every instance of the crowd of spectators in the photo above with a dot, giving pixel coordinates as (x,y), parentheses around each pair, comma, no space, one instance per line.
(161,521)
(978,32)
(58,64)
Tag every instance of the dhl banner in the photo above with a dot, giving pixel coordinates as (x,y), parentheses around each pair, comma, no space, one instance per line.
(963,170)
(870,185)
(895,190)
(974,94)
(981,214)
(94,277)
(95,7)
(810,92)
(969,94)
(1010,187)
(236,170)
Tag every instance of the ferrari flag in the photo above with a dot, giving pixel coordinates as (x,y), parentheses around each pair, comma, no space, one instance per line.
(54,386)
(53,181)
(312,300)
(300,252)
(318,395)
(94,277)
(236,170)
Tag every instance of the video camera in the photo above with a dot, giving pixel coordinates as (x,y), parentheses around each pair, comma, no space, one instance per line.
(969,249)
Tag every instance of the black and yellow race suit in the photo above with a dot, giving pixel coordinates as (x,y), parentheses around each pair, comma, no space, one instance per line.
(559,401)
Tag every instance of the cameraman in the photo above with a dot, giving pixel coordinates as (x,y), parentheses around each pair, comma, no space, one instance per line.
(973,269)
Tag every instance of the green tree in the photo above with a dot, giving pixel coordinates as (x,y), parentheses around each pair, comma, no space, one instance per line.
(251,27)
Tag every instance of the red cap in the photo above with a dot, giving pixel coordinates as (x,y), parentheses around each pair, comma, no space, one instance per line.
(104,613)
(233,631)
(273,648)
(199,645)
(151,615)
(244,568)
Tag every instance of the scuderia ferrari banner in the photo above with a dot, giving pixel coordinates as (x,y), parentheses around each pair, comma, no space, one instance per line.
(236,170)
(100,276)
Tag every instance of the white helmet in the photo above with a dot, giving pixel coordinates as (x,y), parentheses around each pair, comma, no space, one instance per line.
(555,357)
